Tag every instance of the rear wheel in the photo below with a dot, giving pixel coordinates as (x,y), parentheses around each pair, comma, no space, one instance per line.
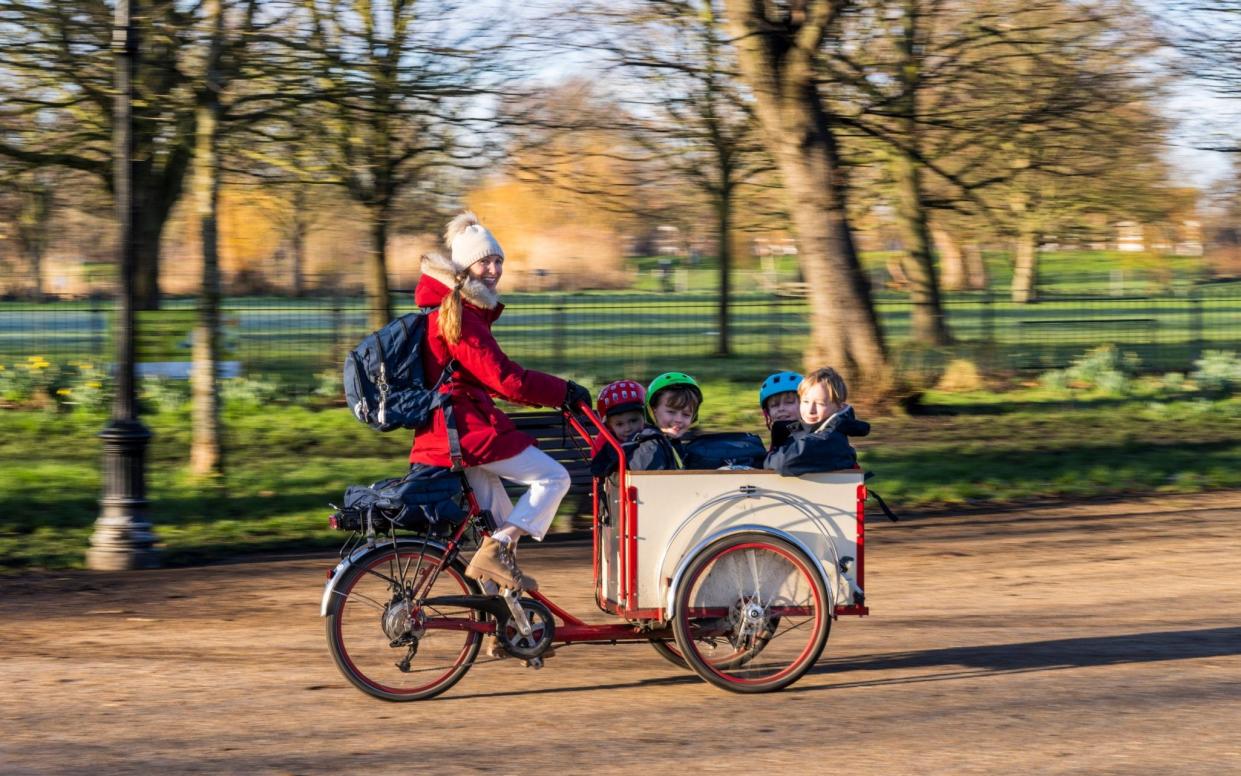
(388,645)
(751,614)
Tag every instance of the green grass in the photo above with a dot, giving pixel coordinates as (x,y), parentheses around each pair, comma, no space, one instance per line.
(286,462)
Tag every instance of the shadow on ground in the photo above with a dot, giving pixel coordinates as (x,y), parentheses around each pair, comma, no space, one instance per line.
(1058,654)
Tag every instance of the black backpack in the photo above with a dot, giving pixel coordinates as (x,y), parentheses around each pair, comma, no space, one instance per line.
(725,448)
(384,384)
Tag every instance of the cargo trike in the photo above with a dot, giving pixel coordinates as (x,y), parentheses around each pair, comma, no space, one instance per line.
(736,574)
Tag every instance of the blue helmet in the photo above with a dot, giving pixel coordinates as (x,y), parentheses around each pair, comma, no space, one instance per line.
(780,382)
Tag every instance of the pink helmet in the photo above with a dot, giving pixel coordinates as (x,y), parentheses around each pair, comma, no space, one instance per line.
(621,396)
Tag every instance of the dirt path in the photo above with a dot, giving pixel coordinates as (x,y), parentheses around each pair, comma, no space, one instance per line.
(1096,640)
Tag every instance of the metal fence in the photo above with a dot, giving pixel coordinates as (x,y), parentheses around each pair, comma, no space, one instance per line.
(637,334)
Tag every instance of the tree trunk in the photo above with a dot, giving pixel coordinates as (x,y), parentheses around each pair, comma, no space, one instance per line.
(844,330)
(951,260)
(928,326)
(975,267)
(377,270)
(34,263)
(724,233)
(297,243)
(147,233)
(777,63)
(206,456)
(32,229)
(158,185)
(1025,267)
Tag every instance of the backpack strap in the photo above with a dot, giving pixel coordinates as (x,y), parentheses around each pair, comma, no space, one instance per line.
(443,399)
(882,505)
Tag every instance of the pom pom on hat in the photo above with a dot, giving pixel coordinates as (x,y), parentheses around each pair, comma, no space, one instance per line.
(469,241)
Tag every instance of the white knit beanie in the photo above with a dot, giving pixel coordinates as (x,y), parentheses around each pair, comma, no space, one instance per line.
(469,241)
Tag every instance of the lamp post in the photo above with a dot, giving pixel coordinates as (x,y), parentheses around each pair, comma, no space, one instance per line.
(123,539)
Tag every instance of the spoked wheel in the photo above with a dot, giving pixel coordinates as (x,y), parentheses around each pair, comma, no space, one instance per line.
(388,645)
(751,614)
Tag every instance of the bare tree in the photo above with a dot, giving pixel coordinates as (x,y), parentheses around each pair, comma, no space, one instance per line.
(58,70)
(231,95)
(983,103)
(27,198)
(1208,32)
(779,48)
(880,72)
(689,110)
(1207,36)
(391,80)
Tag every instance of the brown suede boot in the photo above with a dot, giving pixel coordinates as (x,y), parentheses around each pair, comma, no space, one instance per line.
(493,562)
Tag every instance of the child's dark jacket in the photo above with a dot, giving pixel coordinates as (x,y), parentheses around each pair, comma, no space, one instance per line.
(647,450)
(804,451)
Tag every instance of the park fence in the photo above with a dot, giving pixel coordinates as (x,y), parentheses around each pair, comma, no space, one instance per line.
(601,336)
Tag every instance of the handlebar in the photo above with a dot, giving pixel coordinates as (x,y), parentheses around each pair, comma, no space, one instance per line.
(588,412)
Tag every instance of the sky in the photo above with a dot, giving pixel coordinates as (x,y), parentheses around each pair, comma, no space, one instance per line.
(1202,116)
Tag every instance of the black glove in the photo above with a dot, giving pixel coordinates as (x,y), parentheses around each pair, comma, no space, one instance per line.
(576,395)
(782,431)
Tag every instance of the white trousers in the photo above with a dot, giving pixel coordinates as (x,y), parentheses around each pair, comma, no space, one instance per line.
(548,481)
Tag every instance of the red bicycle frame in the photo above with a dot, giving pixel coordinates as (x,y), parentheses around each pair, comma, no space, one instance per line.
(570,629)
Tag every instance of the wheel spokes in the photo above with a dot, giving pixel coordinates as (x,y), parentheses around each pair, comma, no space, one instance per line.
(771,611)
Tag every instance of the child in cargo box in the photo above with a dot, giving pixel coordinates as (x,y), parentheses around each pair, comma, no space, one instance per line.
(778,399)
(672,402)
(820,443)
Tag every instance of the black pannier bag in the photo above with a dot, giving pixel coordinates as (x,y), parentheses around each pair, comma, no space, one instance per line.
(425,500)
(727,448)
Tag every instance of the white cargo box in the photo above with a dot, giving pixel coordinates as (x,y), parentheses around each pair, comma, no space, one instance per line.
(679,513)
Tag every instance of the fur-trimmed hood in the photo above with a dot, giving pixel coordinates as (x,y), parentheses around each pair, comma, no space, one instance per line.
(438,279)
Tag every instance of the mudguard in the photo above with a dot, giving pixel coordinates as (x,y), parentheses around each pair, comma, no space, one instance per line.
(832,590)
(361,552)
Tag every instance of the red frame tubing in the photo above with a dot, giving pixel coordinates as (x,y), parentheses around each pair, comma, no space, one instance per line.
(581,634)
(564,616)
(861,536)
(622,477)
(860,611)
(455,624)
(594,539)
(631,549)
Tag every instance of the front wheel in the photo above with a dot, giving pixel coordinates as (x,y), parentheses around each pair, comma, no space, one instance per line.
(751,614)
(387,643)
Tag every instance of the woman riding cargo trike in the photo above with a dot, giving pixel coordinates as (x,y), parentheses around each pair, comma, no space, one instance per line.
(736,574)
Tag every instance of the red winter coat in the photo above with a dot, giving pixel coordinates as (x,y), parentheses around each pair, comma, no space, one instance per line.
(487,434)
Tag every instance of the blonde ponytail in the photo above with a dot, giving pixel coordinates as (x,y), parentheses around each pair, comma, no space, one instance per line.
(450,315)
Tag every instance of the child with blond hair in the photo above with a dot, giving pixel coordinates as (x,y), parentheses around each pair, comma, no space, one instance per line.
(820,442)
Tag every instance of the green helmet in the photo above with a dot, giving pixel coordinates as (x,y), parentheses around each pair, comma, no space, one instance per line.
(670,380)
